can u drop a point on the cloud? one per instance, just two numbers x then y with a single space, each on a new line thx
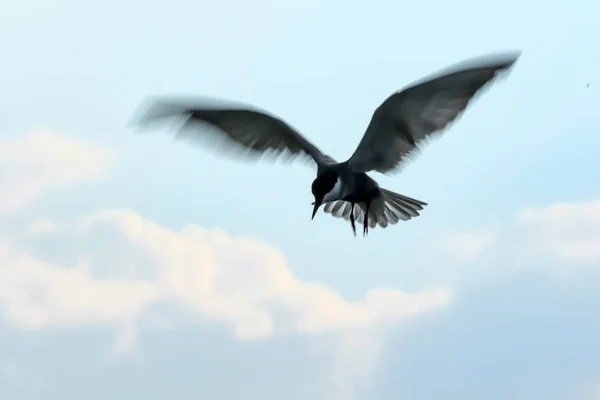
352 359
42 161
37 294
41 226
241 282
117 268
522 319
567 233
119 265
469 246
570 232
114 267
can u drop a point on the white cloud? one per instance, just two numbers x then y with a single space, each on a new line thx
352 358
41 226
38 294
568 232
242 282
469 246
44 161
110 267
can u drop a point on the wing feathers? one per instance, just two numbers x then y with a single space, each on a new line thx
235 129
407 118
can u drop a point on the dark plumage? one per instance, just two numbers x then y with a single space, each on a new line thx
398 128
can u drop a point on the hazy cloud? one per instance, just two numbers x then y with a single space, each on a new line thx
111 266
568 233
42 161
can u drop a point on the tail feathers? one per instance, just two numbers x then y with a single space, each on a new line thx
391 208
407 204
387 209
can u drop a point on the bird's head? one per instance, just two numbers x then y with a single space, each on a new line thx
323 185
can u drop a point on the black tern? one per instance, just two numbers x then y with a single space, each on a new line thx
398 128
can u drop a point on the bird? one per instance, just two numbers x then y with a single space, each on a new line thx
398 129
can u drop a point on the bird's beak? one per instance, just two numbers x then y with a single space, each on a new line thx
316 204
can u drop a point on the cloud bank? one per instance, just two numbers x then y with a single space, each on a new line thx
115 267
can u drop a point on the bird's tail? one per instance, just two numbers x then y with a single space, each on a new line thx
404 207
384 210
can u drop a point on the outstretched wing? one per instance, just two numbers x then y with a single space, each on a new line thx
239 129
387 209
405 119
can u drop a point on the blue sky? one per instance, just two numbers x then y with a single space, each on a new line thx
133 266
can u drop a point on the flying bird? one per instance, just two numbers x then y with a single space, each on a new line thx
397 130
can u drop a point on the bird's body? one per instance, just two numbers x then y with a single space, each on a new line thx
398 126
357 189
351 187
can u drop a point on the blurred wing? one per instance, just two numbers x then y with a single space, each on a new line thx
388 209
405 119
238 129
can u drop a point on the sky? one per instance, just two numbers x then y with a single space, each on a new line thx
134 266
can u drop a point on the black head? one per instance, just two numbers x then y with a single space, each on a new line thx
322 185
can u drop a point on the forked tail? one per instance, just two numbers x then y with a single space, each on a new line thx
400 206
387 209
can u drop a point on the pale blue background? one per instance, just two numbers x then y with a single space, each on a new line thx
82 70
